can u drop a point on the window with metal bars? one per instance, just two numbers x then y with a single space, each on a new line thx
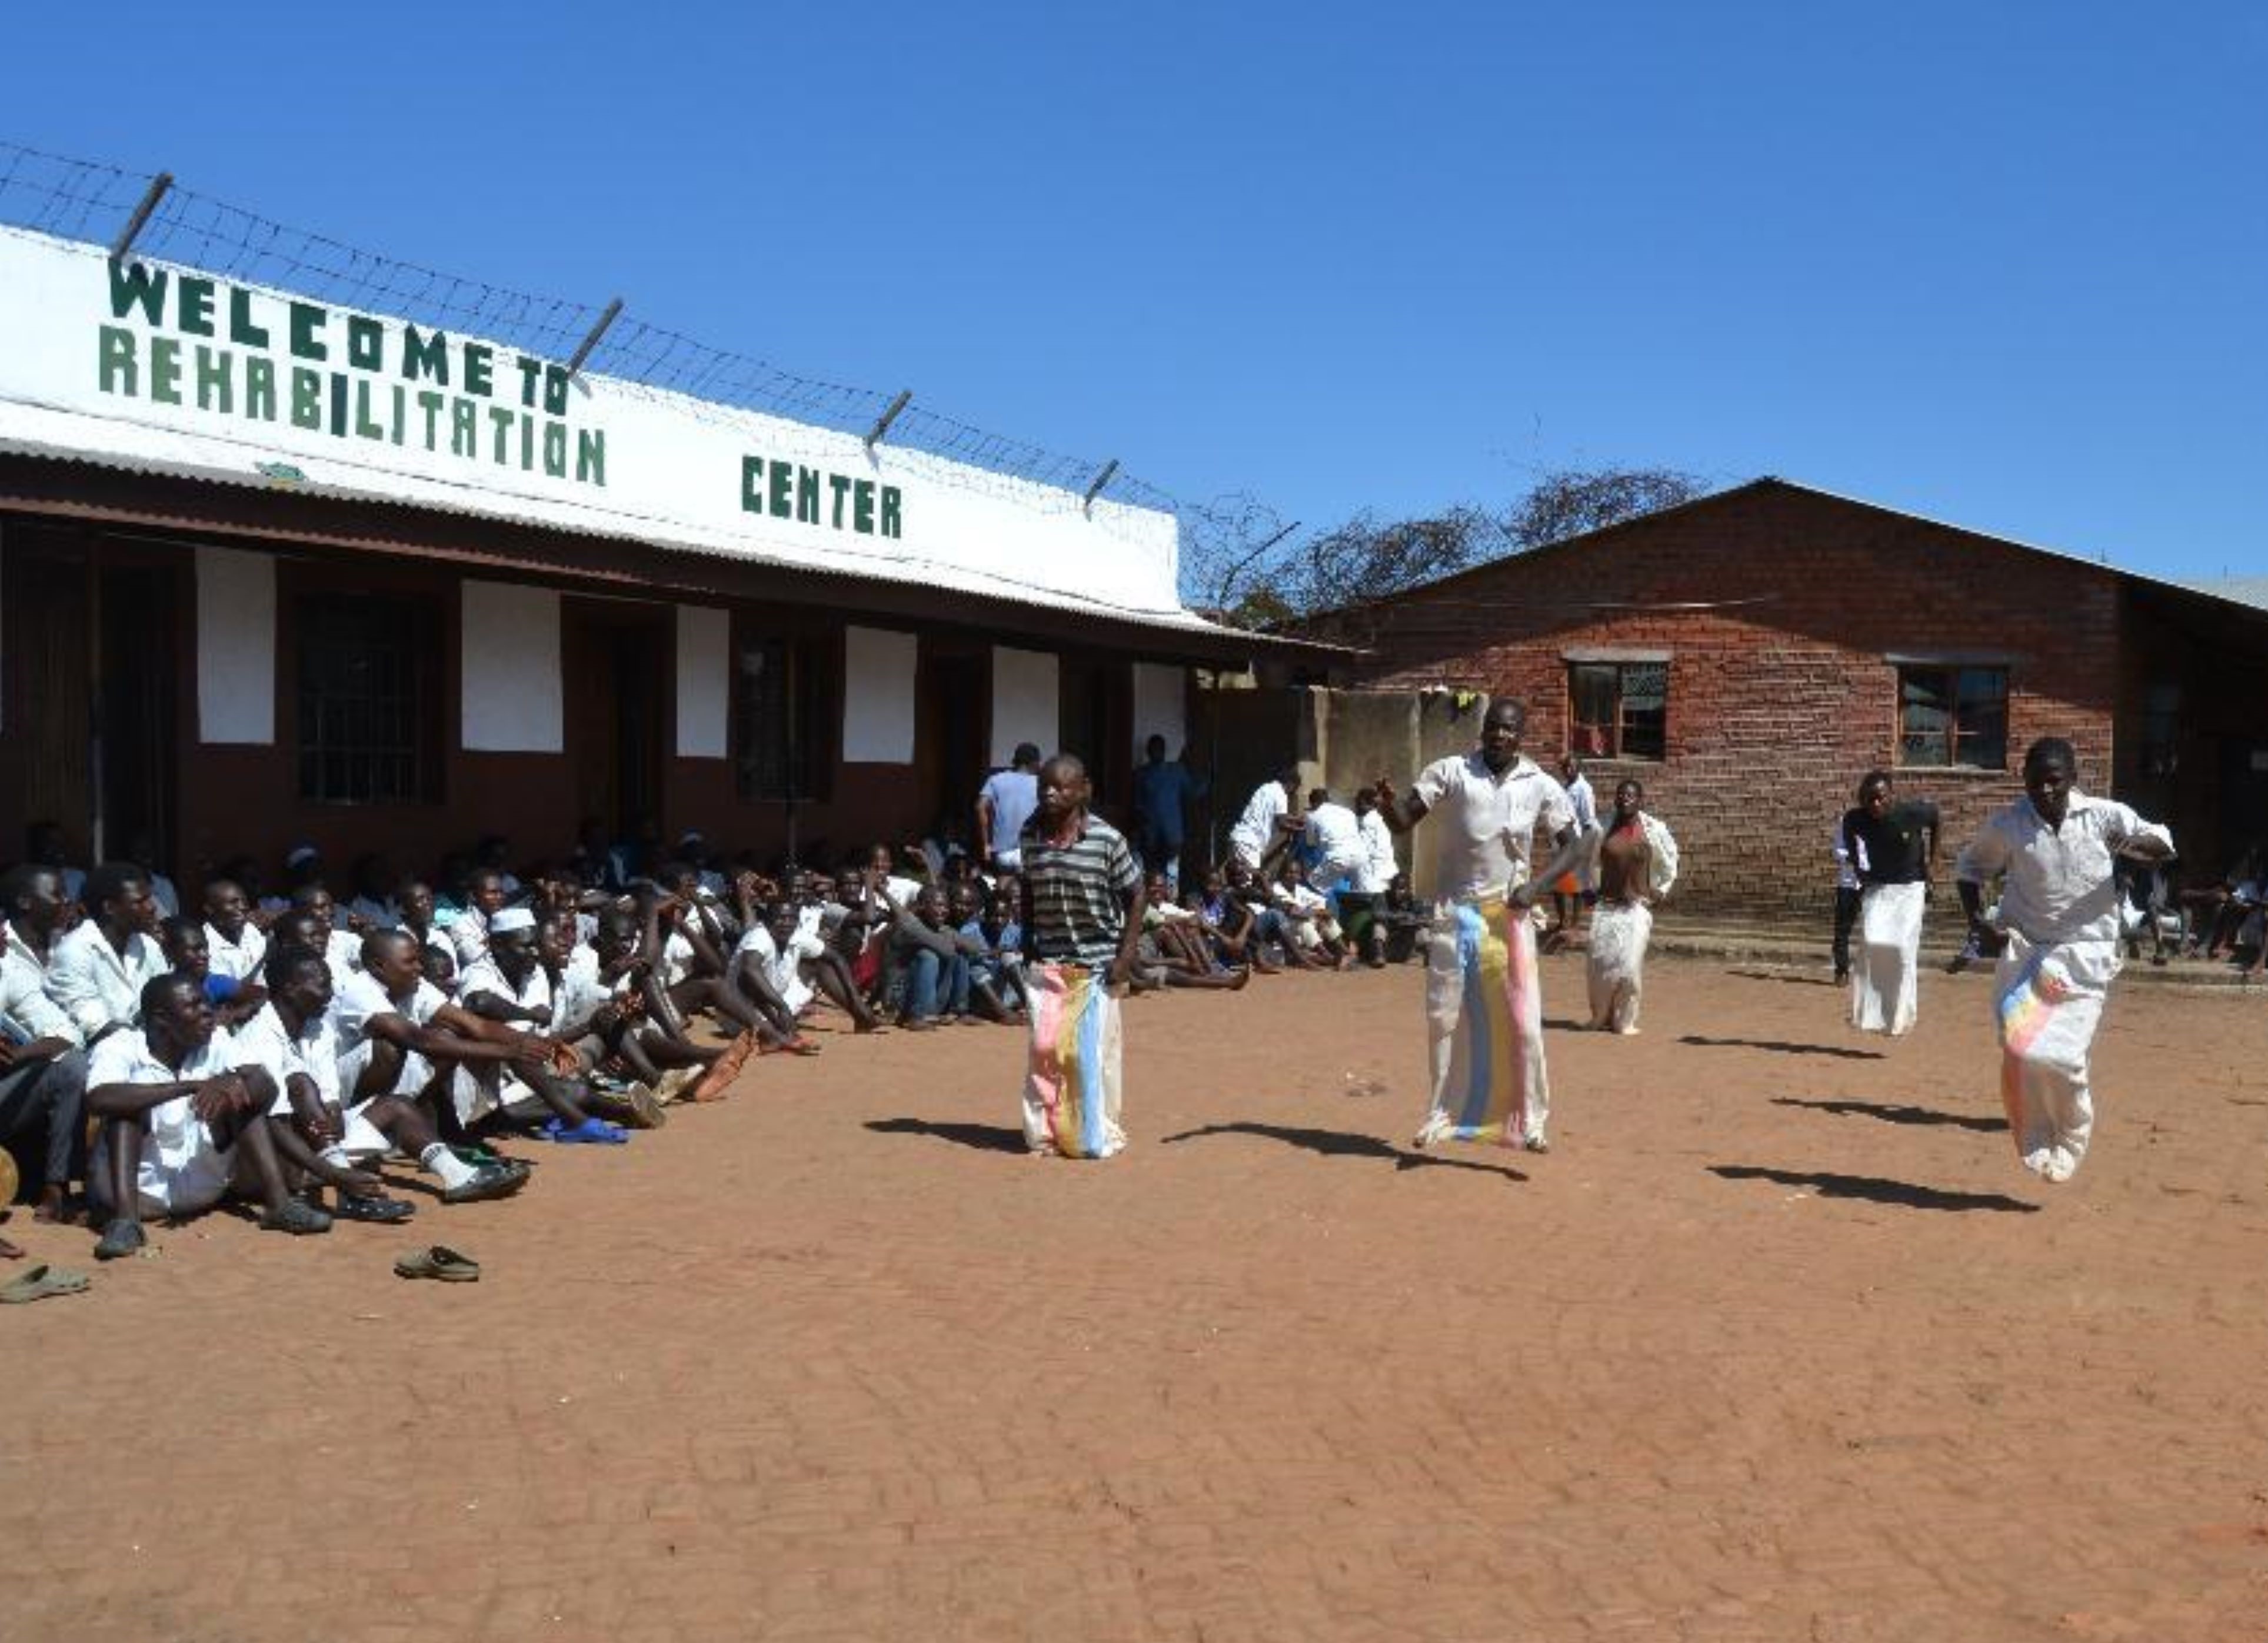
368 679
1954 717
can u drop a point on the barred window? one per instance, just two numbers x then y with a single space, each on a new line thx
1954 717
780 698
1618 710
368 724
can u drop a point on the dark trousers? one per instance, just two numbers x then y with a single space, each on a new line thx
1846 917
40 1121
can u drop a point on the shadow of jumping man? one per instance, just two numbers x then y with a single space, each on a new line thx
1876 1189
1782 1047
1344 1144
1893 1112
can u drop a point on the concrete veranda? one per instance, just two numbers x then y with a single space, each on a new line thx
1779 1342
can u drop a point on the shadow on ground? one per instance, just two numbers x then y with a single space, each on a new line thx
1891 1112
1344 1144
985 1138
1786 978
1783 1047
1875 1190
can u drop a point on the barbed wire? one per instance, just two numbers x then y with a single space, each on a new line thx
91 202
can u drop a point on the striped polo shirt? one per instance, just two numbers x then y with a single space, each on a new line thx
1074 895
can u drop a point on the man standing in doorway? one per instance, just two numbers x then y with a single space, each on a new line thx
1162 789
1006 805
1483 999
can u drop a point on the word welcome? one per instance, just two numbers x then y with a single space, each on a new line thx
403 388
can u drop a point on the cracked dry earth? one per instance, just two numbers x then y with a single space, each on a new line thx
1778 1343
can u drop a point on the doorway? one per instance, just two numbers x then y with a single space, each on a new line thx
618 658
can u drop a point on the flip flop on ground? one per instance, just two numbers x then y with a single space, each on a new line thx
42 1282
444 1265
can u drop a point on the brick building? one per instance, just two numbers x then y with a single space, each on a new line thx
1747 656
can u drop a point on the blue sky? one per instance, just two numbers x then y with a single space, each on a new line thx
2001 264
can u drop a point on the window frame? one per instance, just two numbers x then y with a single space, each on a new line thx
1952 674
1617 747
321 620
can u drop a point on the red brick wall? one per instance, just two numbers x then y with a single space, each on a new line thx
1779 694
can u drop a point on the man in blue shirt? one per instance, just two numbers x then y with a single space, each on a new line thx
1005 804
1162 788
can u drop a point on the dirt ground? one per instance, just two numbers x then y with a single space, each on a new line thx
1779 1342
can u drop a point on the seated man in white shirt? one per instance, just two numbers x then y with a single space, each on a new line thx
484 898
508 989
183 1125
642 1029
42 1068
1307 915
342 946
235 946
99 970
316 1132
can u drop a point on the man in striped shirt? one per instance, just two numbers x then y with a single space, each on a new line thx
1083 898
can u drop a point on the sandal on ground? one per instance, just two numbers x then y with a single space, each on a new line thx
645 1109
490 1181
120 1238
42 1282
382 1211
590 1132
442 1265
301 1219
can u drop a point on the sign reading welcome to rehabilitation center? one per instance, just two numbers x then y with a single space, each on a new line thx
152 364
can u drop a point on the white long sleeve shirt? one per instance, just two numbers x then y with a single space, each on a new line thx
97 986
2058 885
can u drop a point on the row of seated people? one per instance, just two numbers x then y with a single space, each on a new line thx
153 1065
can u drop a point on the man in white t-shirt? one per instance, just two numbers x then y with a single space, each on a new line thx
1490 1080
1268 821
235 946
183 1123
42 1065
1334 838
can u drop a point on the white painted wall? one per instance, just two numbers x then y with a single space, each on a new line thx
704 677
514 690
236 646
1025 702
1162 707
878 695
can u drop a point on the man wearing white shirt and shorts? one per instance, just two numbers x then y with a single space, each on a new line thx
1483 998
184 1126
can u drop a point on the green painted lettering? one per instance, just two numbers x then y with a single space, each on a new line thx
480 366
807 495
531 371
114 370
138 286
751 484
591 456
365 343
555 390
365 427
338 405
464 428
862 507
424 355
164 371
431 403
216 378
527 442
401 413
306 398
555 449
500 421
194 306
893 520
783 481
241 330
259 388
841 487
306 321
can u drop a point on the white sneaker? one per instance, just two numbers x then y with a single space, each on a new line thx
2061 1166
2040 1159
